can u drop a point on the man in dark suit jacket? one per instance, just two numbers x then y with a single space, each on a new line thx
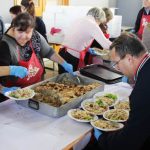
131 58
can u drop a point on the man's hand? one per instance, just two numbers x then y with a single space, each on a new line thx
97 133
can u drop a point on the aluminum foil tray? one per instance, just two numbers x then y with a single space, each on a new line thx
52 111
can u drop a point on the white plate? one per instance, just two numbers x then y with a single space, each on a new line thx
79 120
95 113
111 110
119 126
104 93
7 94
116 105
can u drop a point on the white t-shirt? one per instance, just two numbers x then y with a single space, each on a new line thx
81 33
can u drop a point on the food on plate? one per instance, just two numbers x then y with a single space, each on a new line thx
96 108
101 51
106 125
122 105
119 115
108 98
82 115
21 93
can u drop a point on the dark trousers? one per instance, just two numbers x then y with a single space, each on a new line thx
92 145
69 59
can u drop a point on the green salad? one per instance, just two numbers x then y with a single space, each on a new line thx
112 96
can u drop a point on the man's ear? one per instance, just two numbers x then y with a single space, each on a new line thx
13 28
130 58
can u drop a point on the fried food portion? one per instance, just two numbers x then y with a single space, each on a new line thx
57 94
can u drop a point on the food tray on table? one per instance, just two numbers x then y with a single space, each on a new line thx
62 96
102 73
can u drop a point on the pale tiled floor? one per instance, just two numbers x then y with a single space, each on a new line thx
50 73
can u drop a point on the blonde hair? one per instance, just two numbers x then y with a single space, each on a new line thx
108 13
98 14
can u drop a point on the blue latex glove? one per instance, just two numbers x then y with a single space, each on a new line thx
97 133
132 31
68 67
6 89
92 51
18 71
125 79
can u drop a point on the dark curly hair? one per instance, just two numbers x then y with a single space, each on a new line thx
23 21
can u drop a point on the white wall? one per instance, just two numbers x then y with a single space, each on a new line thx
128 9
99 3
4 9
112 3
63 16
51 2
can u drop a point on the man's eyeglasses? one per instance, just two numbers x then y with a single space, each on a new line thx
113 64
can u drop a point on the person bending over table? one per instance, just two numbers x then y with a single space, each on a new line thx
132 59
104 26
79 37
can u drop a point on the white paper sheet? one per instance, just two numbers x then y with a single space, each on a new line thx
122 89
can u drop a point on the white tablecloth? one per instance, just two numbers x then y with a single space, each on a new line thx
24 129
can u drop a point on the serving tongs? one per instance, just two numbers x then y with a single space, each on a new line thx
67 78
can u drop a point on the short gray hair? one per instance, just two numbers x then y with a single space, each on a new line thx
98 14
128 43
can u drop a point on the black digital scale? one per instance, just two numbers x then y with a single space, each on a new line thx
102 72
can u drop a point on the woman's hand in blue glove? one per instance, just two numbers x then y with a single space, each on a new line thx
92 51
68 67
18 71
6 89
97 133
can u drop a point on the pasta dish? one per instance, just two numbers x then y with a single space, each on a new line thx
109 98
123 105
95 108
82 115
21 93
116 115
104 124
